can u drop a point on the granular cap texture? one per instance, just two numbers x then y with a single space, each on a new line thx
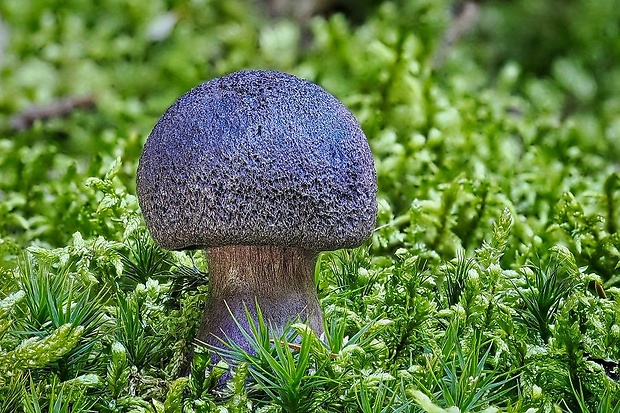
258 158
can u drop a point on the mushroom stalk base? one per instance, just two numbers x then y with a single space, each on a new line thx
279 279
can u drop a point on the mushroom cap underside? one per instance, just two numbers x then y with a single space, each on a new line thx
258 158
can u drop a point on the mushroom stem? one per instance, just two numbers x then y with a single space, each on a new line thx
279 279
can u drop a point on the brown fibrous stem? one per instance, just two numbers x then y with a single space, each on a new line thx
279 279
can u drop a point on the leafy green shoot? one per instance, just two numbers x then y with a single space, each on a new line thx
461 376
546 288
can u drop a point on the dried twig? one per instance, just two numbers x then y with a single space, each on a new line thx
58 108
465 19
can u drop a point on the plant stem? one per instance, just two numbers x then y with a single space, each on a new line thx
279 279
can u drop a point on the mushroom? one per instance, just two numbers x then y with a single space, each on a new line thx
263 170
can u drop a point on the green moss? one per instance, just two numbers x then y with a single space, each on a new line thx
497 168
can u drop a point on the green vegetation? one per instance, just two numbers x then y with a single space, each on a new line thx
492 280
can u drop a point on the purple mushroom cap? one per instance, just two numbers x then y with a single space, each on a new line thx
258 158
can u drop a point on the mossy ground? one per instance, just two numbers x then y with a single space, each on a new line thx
490 282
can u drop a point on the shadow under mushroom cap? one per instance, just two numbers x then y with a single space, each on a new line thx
258 158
